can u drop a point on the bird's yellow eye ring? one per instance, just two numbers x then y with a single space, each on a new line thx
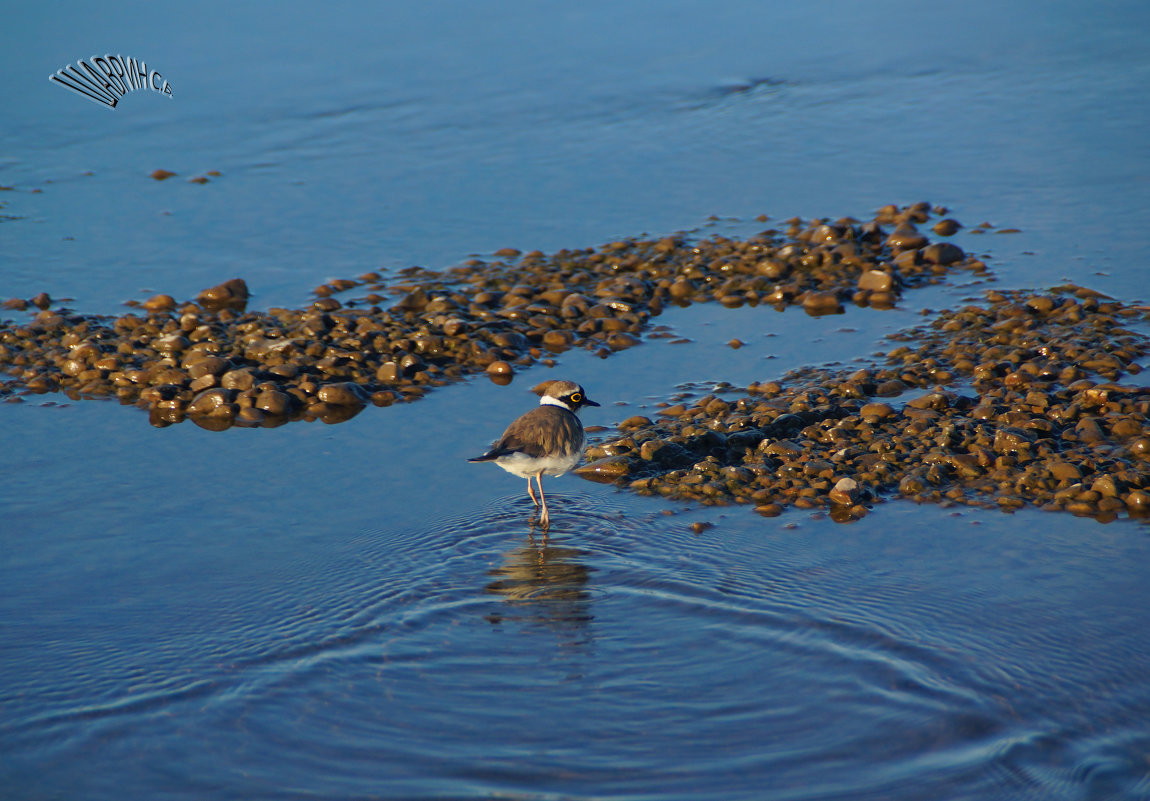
576 397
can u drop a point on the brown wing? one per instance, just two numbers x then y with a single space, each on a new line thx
543 430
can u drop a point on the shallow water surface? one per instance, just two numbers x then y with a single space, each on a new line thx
243 640
621 657
462 129
354 611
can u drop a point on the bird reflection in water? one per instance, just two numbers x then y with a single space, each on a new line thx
545 583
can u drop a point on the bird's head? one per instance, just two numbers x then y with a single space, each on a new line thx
567 394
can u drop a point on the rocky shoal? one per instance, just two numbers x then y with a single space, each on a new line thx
1010 403
1018 402
218 364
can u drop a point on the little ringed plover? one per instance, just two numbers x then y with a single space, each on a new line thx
547 441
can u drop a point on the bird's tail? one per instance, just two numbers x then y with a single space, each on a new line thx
491 455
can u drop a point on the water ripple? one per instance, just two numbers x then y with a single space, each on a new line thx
475 654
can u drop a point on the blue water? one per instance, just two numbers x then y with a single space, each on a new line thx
354 611
352 138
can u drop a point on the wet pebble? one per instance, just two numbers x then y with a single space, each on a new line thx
906 237
606 470
274 402
160 303
820 303
876 281
944 253
233 293
212 402
946 227
343 393
846 492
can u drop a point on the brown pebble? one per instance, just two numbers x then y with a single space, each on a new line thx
242 379
817 304
845 493
158 303
558 339
1138 502
273 401
682 289
343 393
212 401
876 281
876 411
1088 430
947 227
906 237
663 451
500 368
942 253
284 370
622 341
1127 428
48 320
389 372
209 365
1042 304
605 471
1141 447
1105 487
233 293
1064 471
912 485
162 175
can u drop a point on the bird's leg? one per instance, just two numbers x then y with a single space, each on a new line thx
544 519
529 492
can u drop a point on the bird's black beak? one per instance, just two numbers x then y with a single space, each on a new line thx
589 402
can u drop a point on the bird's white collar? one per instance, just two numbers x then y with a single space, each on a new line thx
547 400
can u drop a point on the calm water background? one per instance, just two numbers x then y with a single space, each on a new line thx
353 611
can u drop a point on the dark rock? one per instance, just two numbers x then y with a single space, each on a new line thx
605 471
942 253
343 393
229 294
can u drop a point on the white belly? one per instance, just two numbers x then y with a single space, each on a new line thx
524 466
